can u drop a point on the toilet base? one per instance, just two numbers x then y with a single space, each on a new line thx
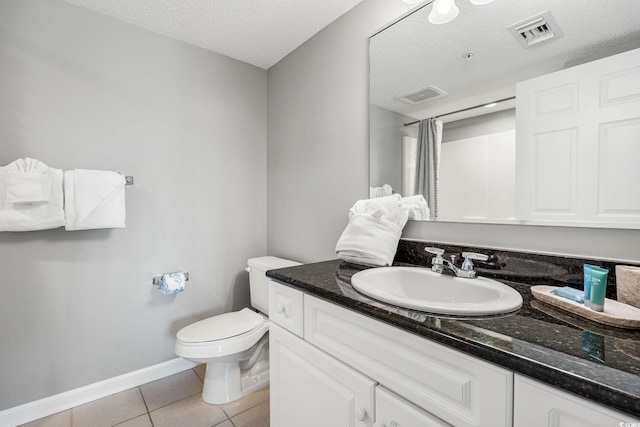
225 382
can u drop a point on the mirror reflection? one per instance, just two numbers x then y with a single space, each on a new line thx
521 112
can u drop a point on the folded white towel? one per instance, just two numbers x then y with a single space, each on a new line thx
31 217
417 207
374 229
94 199
26 181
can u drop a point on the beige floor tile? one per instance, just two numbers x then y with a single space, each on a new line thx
200 370
110 410
61 419
249 401
193 412
171 389
258 416
141 421
225 424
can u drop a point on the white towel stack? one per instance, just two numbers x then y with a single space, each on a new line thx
373 232
417 207
31 196
94 199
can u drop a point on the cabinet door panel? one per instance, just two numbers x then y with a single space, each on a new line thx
538 405
311 389
394 411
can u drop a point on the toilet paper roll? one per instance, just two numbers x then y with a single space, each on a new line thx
628 284
172 283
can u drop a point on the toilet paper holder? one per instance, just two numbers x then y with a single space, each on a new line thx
157 279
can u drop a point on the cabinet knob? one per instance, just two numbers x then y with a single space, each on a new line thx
281 309
361 414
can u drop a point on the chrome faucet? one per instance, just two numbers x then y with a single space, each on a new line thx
438 263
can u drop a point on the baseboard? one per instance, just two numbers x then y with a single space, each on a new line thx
59 402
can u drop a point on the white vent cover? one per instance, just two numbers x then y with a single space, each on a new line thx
534 30
421 95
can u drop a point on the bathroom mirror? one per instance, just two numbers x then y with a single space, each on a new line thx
454 71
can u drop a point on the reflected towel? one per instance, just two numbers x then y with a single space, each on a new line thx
94 199
32 217
417 207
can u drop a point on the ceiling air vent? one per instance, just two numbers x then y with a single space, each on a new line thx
421 95
535 30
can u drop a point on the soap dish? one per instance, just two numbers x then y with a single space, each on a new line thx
615 313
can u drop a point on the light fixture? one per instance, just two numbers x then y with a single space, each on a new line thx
443 11
480 2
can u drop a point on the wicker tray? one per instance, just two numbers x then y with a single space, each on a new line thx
615 313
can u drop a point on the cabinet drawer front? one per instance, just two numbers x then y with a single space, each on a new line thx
286 307
455 387
394 411
536 404
312 389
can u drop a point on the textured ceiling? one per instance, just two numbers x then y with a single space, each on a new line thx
414 53
258 32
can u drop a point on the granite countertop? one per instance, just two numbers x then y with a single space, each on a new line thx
539 340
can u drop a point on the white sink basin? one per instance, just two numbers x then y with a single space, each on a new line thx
422 289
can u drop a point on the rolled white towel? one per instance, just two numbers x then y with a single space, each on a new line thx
27 182
374 229
417 207
33 216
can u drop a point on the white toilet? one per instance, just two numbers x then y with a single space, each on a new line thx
235 346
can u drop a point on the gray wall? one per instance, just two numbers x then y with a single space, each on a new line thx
486 124
386 147
318 151
318 155
82 90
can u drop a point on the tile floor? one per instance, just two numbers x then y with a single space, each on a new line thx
168 402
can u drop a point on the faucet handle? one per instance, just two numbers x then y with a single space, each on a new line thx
467 265
436 251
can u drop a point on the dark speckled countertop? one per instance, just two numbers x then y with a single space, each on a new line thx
539 340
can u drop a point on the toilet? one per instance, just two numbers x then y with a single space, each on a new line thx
235 346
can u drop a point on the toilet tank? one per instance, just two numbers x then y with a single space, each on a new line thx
259 283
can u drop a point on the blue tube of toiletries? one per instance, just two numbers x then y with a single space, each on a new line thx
587 285
598 287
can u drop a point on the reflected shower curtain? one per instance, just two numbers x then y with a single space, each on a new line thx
428 162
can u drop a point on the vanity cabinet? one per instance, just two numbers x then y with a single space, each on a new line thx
539 405
345 364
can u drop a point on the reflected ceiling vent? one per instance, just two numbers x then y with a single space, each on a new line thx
422 95
537 29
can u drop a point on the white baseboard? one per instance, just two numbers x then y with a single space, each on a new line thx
59 402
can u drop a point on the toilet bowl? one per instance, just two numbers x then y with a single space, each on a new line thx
235 345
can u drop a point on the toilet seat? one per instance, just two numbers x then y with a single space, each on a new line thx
221 335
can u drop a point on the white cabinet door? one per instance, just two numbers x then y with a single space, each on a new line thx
394 411
578 141
312 389
538 405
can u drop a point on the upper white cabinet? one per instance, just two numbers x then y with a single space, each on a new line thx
578 141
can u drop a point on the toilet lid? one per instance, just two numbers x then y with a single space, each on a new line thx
220 327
